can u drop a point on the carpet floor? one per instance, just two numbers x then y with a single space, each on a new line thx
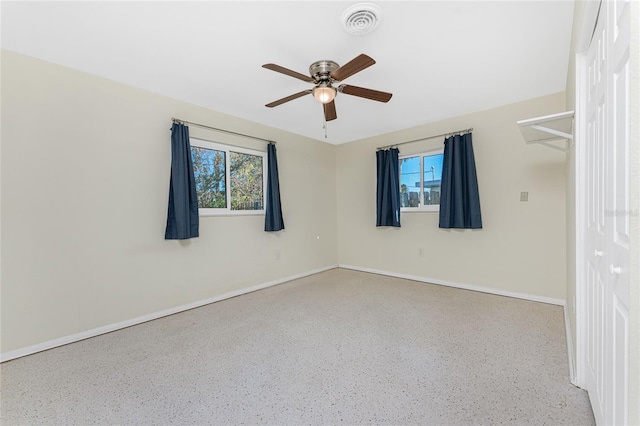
339 347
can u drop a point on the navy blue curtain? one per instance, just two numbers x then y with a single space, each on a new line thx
388 188
273 212
182 216
459 199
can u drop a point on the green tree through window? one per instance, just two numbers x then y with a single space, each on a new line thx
209 170
246 181
228 179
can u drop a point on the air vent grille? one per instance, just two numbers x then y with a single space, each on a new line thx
361 18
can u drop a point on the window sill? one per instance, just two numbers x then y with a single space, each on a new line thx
419 210
230 213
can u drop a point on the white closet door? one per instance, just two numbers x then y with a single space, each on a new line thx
607 217
595 236
618 138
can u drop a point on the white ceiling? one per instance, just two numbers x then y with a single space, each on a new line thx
440 59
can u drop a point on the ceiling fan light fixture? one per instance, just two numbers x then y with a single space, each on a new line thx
324 93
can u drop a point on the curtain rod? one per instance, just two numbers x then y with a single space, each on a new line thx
446 135
179 121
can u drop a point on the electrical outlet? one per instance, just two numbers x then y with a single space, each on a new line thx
420 252
524 196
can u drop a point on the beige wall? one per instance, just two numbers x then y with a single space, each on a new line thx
85 177
522 246
85 165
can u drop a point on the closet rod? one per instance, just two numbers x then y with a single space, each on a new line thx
179 121
446 135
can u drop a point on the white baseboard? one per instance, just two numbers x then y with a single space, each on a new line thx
532 297
571 360
7 356
18 353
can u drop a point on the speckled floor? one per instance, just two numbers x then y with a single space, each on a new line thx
340 347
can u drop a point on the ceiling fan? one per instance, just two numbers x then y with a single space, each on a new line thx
323 74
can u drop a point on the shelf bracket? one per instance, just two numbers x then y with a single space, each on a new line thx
563 135
549 128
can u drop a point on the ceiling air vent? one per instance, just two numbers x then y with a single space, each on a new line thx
361 18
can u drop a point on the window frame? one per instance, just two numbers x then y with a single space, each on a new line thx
228 149
422 207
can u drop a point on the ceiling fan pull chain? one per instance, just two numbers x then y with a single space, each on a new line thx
324 126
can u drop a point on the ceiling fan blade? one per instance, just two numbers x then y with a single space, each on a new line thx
330 111
287 71
357 64
288 98
361 92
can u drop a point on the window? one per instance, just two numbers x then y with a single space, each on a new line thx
229 180
420 177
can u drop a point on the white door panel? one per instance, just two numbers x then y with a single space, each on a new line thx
606 224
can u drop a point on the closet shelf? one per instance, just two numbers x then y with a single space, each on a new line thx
554 131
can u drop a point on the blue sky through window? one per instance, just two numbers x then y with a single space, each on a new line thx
434 173
410 170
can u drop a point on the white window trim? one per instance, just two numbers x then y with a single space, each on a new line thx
422 208
200 143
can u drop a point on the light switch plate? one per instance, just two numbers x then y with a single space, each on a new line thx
524 196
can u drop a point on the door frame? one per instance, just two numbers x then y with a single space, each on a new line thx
590 17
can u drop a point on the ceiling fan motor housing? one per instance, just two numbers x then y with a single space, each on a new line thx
321 70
